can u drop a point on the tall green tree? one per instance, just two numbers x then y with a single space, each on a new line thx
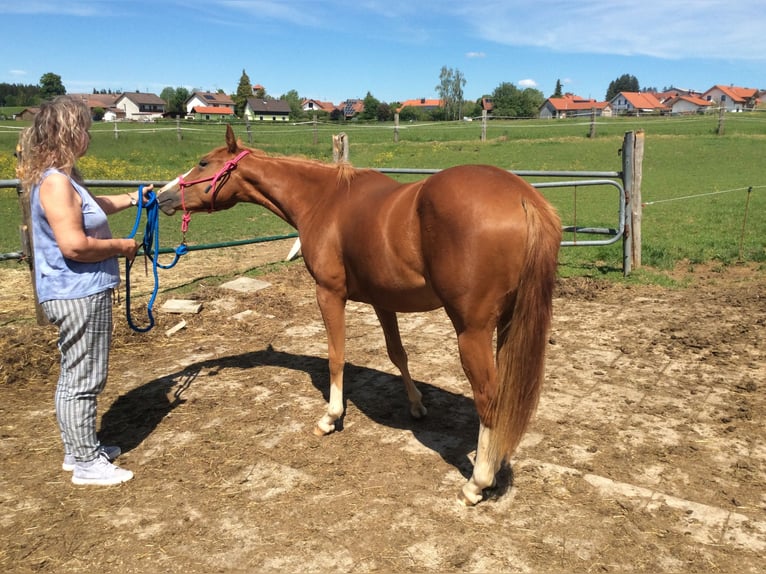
450 90
557 93
625 83
51 86
244 91
509 101
296 105
371 105
175 98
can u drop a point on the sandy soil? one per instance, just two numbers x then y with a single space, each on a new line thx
647 453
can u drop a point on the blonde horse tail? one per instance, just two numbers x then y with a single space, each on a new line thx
523 333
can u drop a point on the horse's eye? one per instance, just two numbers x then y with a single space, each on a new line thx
202 163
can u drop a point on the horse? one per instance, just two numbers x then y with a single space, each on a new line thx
476 240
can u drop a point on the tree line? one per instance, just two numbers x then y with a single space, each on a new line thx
506 99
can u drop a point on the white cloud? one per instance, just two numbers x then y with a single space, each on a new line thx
18 73
716 29
471 55
527 83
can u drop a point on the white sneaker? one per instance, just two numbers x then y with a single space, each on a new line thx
99 472
110 452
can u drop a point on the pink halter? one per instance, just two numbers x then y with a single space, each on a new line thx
224 171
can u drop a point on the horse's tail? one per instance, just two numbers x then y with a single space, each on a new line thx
523 333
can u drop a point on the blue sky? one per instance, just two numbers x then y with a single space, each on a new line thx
332 50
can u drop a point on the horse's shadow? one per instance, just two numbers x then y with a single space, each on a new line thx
450 428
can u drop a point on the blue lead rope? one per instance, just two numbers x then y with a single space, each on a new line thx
151 247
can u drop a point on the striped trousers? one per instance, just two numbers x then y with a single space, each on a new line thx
85 337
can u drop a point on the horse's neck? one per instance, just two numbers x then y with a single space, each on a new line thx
294 189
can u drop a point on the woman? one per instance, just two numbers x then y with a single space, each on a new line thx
76 271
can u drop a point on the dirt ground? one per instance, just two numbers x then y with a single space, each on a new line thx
647 453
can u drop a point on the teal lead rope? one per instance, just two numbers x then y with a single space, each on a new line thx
151 247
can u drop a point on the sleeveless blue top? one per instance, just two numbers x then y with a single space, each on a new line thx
57 277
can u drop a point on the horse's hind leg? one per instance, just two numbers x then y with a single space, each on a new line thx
484 471
398 357
479 365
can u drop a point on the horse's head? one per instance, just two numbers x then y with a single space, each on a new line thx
207 186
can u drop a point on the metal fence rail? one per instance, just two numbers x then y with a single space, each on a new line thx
599 178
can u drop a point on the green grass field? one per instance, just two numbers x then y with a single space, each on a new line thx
695 183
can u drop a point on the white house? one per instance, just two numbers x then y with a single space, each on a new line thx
732 98
140 107
267 110
636 103
310 105
684 105
208 100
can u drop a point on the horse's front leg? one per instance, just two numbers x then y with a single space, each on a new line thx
333 310
398 357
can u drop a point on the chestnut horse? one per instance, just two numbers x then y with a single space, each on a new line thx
474 239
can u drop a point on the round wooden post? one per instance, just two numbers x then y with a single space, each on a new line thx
632 170
396 127
636 205
27 249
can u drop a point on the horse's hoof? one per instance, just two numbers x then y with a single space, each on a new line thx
463 499
418 411
468 496
323 429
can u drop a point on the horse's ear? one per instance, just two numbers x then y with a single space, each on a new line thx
231 139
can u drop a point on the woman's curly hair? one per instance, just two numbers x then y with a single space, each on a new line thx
56 139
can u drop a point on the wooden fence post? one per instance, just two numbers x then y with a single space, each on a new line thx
27 249
592 132
340 148
483 125
632 172
396 127
721 116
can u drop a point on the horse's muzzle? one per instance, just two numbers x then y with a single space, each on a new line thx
169 201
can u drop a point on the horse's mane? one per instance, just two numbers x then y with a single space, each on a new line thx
345 170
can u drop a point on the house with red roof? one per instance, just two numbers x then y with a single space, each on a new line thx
637 103
351 108
733 98
310 105
685 105
211 113
208 100
570 105
421 104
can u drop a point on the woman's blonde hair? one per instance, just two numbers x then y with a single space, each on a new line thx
55 139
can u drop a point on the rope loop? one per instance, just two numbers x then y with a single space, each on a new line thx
151 247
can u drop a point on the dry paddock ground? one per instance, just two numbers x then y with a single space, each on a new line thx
647 453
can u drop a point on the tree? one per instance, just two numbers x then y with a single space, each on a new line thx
244 91
509 101
296 105
385 112
625 83
450 90
371 105
51 86
558 91
175 98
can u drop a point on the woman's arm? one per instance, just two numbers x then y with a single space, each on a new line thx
63 209
114 203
